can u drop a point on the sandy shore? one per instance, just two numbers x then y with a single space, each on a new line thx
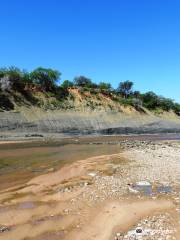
98 198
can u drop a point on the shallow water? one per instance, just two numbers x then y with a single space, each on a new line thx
146 190
149 190
26 205
21 163
164 189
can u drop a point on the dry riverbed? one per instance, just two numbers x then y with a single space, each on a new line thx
131 194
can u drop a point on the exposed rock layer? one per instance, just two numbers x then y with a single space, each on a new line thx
35 121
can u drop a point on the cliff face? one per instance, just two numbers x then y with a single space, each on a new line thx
82 114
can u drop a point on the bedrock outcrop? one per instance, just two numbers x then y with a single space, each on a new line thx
37 122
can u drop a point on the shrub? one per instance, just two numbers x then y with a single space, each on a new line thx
66 84
166 104
82 81
150 100
105 86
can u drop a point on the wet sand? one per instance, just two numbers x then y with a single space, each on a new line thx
22 161
89 196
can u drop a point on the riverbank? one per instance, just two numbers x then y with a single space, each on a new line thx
37 123
133 191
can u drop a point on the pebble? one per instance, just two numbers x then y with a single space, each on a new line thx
4 229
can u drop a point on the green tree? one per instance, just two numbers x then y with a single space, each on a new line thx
66 84
137 94
125 88
150 100
46 77
105 86
166 103
82 81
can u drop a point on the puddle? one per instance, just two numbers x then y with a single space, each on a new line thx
148 190
142 187
23 205
26 205
164 189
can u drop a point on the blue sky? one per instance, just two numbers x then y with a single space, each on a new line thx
106 40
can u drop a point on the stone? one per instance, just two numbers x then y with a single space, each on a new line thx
92 174
139 230
143 183
4 229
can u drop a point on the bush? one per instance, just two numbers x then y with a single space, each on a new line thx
153 101
105 86
150 100
126 101
82 81
166 104
66 84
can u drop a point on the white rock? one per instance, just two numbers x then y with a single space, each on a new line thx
132 190
143 183
92 174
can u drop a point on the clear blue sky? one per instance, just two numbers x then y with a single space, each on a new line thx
106 40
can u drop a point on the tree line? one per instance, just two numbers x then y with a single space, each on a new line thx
48 80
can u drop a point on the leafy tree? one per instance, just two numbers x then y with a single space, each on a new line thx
46 77
166 103
105 86
66 84
125 88
82 81
137 94
93 85
153 101
150 100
